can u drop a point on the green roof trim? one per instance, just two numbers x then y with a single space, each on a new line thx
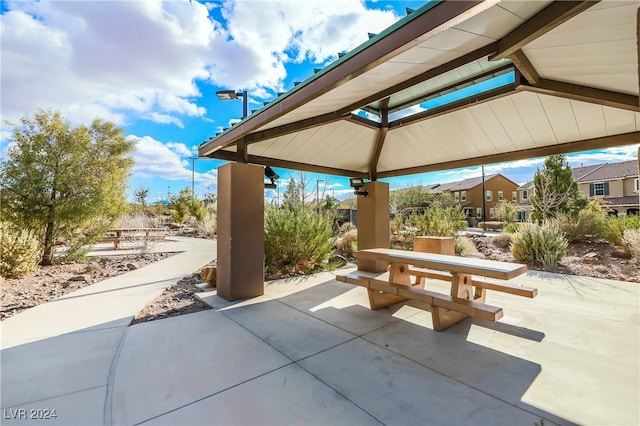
399 24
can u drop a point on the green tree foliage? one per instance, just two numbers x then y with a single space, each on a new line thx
555 190
185 204
293 198
400 200
506 211
65 183
141 194
443 217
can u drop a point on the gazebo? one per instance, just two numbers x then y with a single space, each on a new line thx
453 84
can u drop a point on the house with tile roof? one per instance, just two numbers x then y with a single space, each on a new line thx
468 192
615 183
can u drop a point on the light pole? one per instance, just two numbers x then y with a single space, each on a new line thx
227 95
318 191
193 172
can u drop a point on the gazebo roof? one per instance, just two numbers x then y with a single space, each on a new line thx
491 80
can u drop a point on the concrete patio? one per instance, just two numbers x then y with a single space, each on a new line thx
310 351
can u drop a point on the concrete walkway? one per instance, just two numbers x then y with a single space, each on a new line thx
60 355
310 351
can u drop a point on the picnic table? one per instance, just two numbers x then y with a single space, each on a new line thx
470 278
120 235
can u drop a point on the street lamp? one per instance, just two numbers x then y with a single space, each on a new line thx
228 95
318 191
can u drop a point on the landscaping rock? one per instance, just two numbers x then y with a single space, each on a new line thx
209 275
621 254
132 266
79 278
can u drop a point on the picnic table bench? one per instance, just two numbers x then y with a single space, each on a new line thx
120 235
470 278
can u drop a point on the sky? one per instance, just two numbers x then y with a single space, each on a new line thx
153 67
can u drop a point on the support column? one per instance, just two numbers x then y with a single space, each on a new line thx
373 223
240 266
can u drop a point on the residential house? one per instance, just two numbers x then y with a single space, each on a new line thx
468 193
615 183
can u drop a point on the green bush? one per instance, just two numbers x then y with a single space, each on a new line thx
347 227
184 205
539 245
440 219
208 226
503 240
19 252
297 242
615 227
631 241
461 246
587 225
512 227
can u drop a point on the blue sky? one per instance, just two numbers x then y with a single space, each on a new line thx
153 68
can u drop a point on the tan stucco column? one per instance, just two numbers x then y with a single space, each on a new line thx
240 231
373 223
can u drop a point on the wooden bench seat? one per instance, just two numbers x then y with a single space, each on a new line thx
119 236
444 308
481 282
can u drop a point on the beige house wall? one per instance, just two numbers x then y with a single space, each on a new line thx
629 188
495 184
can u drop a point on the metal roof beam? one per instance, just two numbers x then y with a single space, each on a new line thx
547 19
583 93
382 134
580 145
455 106
387 45
426 96
526 68
286 164
433 72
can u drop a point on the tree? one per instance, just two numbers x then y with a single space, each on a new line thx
65 183
555 190
185 204
506 211
141 195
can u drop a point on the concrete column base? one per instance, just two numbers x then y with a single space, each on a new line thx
240 272
373 223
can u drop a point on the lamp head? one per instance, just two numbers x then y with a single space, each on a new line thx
356 183
268 172
226 95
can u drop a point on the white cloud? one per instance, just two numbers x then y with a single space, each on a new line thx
170 161
132 59
105 58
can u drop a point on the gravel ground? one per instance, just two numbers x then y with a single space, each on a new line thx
593 260
54 281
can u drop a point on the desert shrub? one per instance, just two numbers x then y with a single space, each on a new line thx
614 227
19 251
348 243
539 245
461 246
397 225
347 227
208 226
185 204
502 240
439 219
585 226
512 227
631 240
296 241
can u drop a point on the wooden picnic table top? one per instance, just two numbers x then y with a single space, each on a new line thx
443 262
